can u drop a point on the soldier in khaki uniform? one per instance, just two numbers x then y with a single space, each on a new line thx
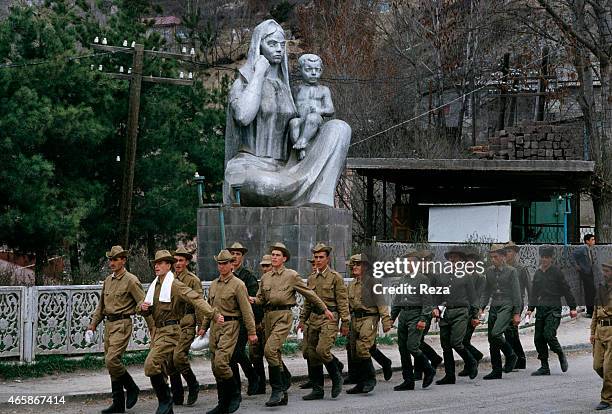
121 293
229 296
364 327
240 356
512 333
601 336
165 301
188 331
329 286
276 294
256 350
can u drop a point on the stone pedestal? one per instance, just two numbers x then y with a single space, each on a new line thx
300 228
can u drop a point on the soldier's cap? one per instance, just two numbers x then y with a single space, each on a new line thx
117 251
321 247
410 253
607 264
181 251
238 247
281 246
224 256
497 248
266 260
512 246
546 251
455 250
163 256
425 254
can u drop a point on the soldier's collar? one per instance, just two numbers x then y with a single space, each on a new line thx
231 275
279 270
323 272
119 275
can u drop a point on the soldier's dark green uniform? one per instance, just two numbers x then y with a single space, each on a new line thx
512 333
549 285
412 309
460 309
502 289
240 356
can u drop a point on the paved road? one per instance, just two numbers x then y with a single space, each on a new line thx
576 391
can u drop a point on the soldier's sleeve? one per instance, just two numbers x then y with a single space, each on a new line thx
486 293
472 297
306 311
259 298
196 285
567 292
342 299
202 308
385 318
205 323
525 285
515 291
594 321
98 314
308 293
535 293
135 289
427 306
242 296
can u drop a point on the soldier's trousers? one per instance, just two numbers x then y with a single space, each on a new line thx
256 353
467 342
547 322
500 317
320 338
362 336
240 355
513 338
429 352
180 357
277 325
223 340
117 336
452 331
409 338
160 358
602 360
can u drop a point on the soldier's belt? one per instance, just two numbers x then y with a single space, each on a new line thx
169 322
329 308
231 318
363 314
116 317
277 307
604 322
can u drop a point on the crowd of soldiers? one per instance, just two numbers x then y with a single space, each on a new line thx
239 309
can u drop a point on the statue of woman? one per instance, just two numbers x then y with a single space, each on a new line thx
258 154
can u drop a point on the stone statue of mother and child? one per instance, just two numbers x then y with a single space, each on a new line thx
279 150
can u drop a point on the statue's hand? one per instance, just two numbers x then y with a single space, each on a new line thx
300 144
261 65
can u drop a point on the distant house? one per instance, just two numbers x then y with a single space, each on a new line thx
169 27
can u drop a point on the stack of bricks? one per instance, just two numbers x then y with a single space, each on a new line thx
538 141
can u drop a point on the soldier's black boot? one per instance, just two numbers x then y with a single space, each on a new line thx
232 387
470 364
543 370
307 384
176 386
351 378
496 364
118 405
316 378
369 376
276 383
286 378
407 374
193 386
333 369
162 391
221 400
261 374
359 369
131 390
339 363
511 358
449 368
428 371
383 361
563 362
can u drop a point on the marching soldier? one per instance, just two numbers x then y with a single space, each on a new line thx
329 286
601 336
549 285
188 331
165 302
512 333
276 294
502 288
256 350
121 293
414 311
460 310
479 281
240 356
230 297
364 327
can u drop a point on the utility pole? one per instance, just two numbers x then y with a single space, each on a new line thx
135 77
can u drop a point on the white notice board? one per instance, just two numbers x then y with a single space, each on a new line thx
460 223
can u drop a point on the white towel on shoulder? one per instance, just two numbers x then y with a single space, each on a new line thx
165 293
